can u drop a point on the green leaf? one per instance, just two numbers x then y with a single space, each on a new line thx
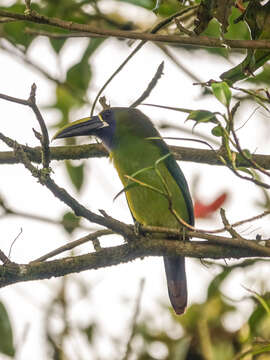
70 222
217 131
214 286
57 44
222 12
90 332
164 8
262 77
245 170
258 315
238 30
204 15
76 174
213 30
202 116
147 4
222 92
6 335
79 75
14 31
65 101
247 153
264 303
189 320
256 351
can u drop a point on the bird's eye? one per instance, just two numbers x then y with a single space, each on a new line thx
106 114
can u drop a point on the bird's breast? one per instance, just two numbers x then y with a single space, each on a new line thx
155 191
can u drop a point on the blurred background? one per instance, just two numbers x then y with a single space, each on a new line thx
123 312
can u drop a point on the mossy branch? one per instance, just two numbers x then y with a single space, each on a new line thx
13 273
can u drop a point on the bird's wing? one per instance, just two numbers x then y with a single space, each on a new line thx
179 177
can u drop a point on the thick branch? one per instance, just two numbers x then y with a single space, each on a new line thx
12 273
91 31
77 152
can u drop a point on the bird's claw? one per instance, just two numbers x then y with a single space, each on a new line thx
138 228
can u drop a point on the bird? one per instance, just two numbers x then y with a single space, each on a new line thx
154 184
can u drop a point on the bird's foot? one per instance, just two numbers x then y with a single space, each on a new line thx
185 235
138 229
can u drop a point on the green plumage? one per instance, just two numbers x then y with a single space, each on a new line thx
134 151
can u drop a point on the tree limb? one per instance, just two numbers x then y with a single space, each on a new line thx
91 31
13 273
77 152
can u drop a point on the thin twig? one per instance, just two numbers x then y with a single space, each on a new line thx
73 244
57 35
247 158
31 102
155 29
166 50
11 212
171 231
251 179
19 54
45 136
228 227
28 6
13 99
181 28
13 242
114 74
184 129
150 86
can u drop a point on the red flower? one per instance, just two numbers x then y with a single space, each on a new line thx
204 211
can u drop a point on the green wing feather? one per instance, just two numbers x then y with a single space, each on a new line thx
178 176
150 131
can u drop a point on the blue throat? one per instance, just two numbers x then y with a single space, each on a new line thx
106 135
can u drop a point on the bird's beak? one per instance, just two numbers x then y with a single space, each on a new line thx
85 126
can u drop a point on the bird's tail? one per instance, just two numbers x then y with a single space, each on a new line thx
176 281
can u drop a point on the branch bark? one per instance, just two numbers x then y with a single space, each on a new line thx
91 31
12 273
78 152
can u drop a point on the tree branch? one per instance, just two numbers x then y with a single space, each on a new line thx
78 152
201 41
13 273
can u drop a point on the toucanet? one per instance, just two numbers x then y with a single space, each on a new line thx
157 192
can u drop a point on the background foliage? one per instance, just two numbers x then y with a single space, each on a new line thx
203 332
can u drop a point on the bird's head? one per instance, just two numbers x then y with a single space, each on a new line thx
110 126
101 125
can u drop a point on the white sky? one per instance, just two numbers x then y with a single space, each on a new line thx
25 301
